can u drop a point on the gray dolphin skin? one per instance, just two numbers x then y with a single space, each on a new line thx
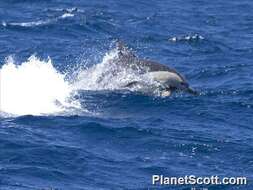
169 79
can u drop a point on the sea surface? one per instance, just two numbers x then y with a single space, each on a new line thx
66 123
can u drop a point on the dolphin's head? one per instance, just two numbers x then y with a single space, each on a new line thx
172 81
184 86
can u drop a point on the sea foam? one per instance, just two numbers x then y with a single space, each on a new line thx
34 87
109 75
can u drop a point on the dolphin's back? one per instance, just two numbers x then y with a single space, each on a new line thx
128 59
154 66
144 66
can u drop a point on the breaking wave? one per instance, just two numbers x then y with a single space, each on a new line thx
34 87
110 75
38 22
187 38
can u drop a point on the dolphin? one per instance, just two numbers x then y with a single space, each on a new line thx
169 79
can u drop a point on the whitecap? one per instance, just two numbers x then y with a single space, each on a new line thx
66 15
109 75
189 38
4 24
30 24
39 22
35 87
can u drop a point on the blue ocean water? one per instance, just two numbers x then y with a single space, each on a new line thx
106 138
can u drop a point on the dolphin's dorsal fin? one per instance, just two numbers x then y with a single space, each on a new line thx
120 46
123 49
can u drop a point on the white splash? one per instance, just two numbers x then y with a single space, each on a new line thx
194 37
30 24
65 15
4 24
38 22
34 87
108 75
